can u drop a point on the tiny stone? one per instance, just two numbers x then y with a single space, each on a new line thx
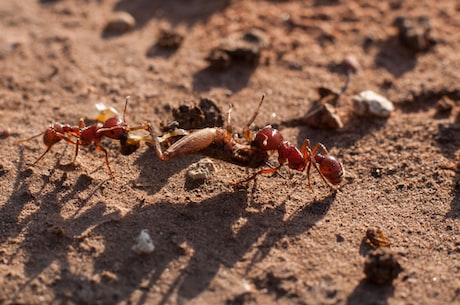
144 244
170 39
324 117
120 22
414 33
368 103
445 104
200 170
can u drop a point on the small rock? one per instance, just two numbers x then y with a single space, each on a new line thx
200 170
381 266
120 22
414 33
219 59
144 244
369 103
170 39
445 104
192 116
324 117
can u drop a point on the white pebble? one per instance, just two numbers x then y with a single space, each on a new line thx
201 170
369 103
144 243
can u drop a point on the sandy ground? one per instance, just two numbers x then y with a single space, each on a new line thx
66 231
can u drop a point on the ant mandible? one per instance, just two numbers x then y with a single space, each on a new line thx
252 151
113 128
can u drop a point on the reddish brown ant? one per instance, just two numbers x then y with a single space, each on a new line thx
330 170
113 128
251 151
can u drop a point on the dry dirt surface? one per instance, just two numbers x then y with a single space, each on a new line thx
67 230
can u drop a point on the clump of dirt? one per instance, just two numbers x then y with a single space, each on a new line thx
382 266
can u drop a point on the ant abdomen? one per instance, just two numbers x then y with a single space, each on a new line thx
330 168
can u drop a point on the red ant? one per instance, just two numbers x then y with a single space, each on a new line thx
330 170
113 128
252 151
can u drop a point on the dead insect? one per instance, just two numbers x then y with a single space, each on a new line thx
252 151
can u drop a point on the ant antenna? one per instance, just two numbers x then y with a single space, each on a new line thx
246 130
126 106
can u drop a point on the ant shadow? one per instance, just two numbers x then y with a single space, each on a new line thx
45 230
366 293
449 141
201 236
394 57
154 173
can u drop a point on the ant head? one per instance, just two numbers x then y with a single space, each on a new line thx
330 168
114 128
268 138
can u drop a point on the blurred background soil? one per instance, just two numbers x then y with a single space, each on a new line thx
67 231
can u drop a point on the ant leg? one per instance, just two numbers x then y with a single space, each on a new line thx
246 131
59 136
305 150
318 147
31 138
100 148
314 151
77 145
308 177
260 172
308 155
156 143
43 154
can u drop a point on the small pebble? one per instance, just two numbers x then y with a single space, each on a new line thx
370 104
170 39
414 33
201 170
120 22
445 104
144 244
324 117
